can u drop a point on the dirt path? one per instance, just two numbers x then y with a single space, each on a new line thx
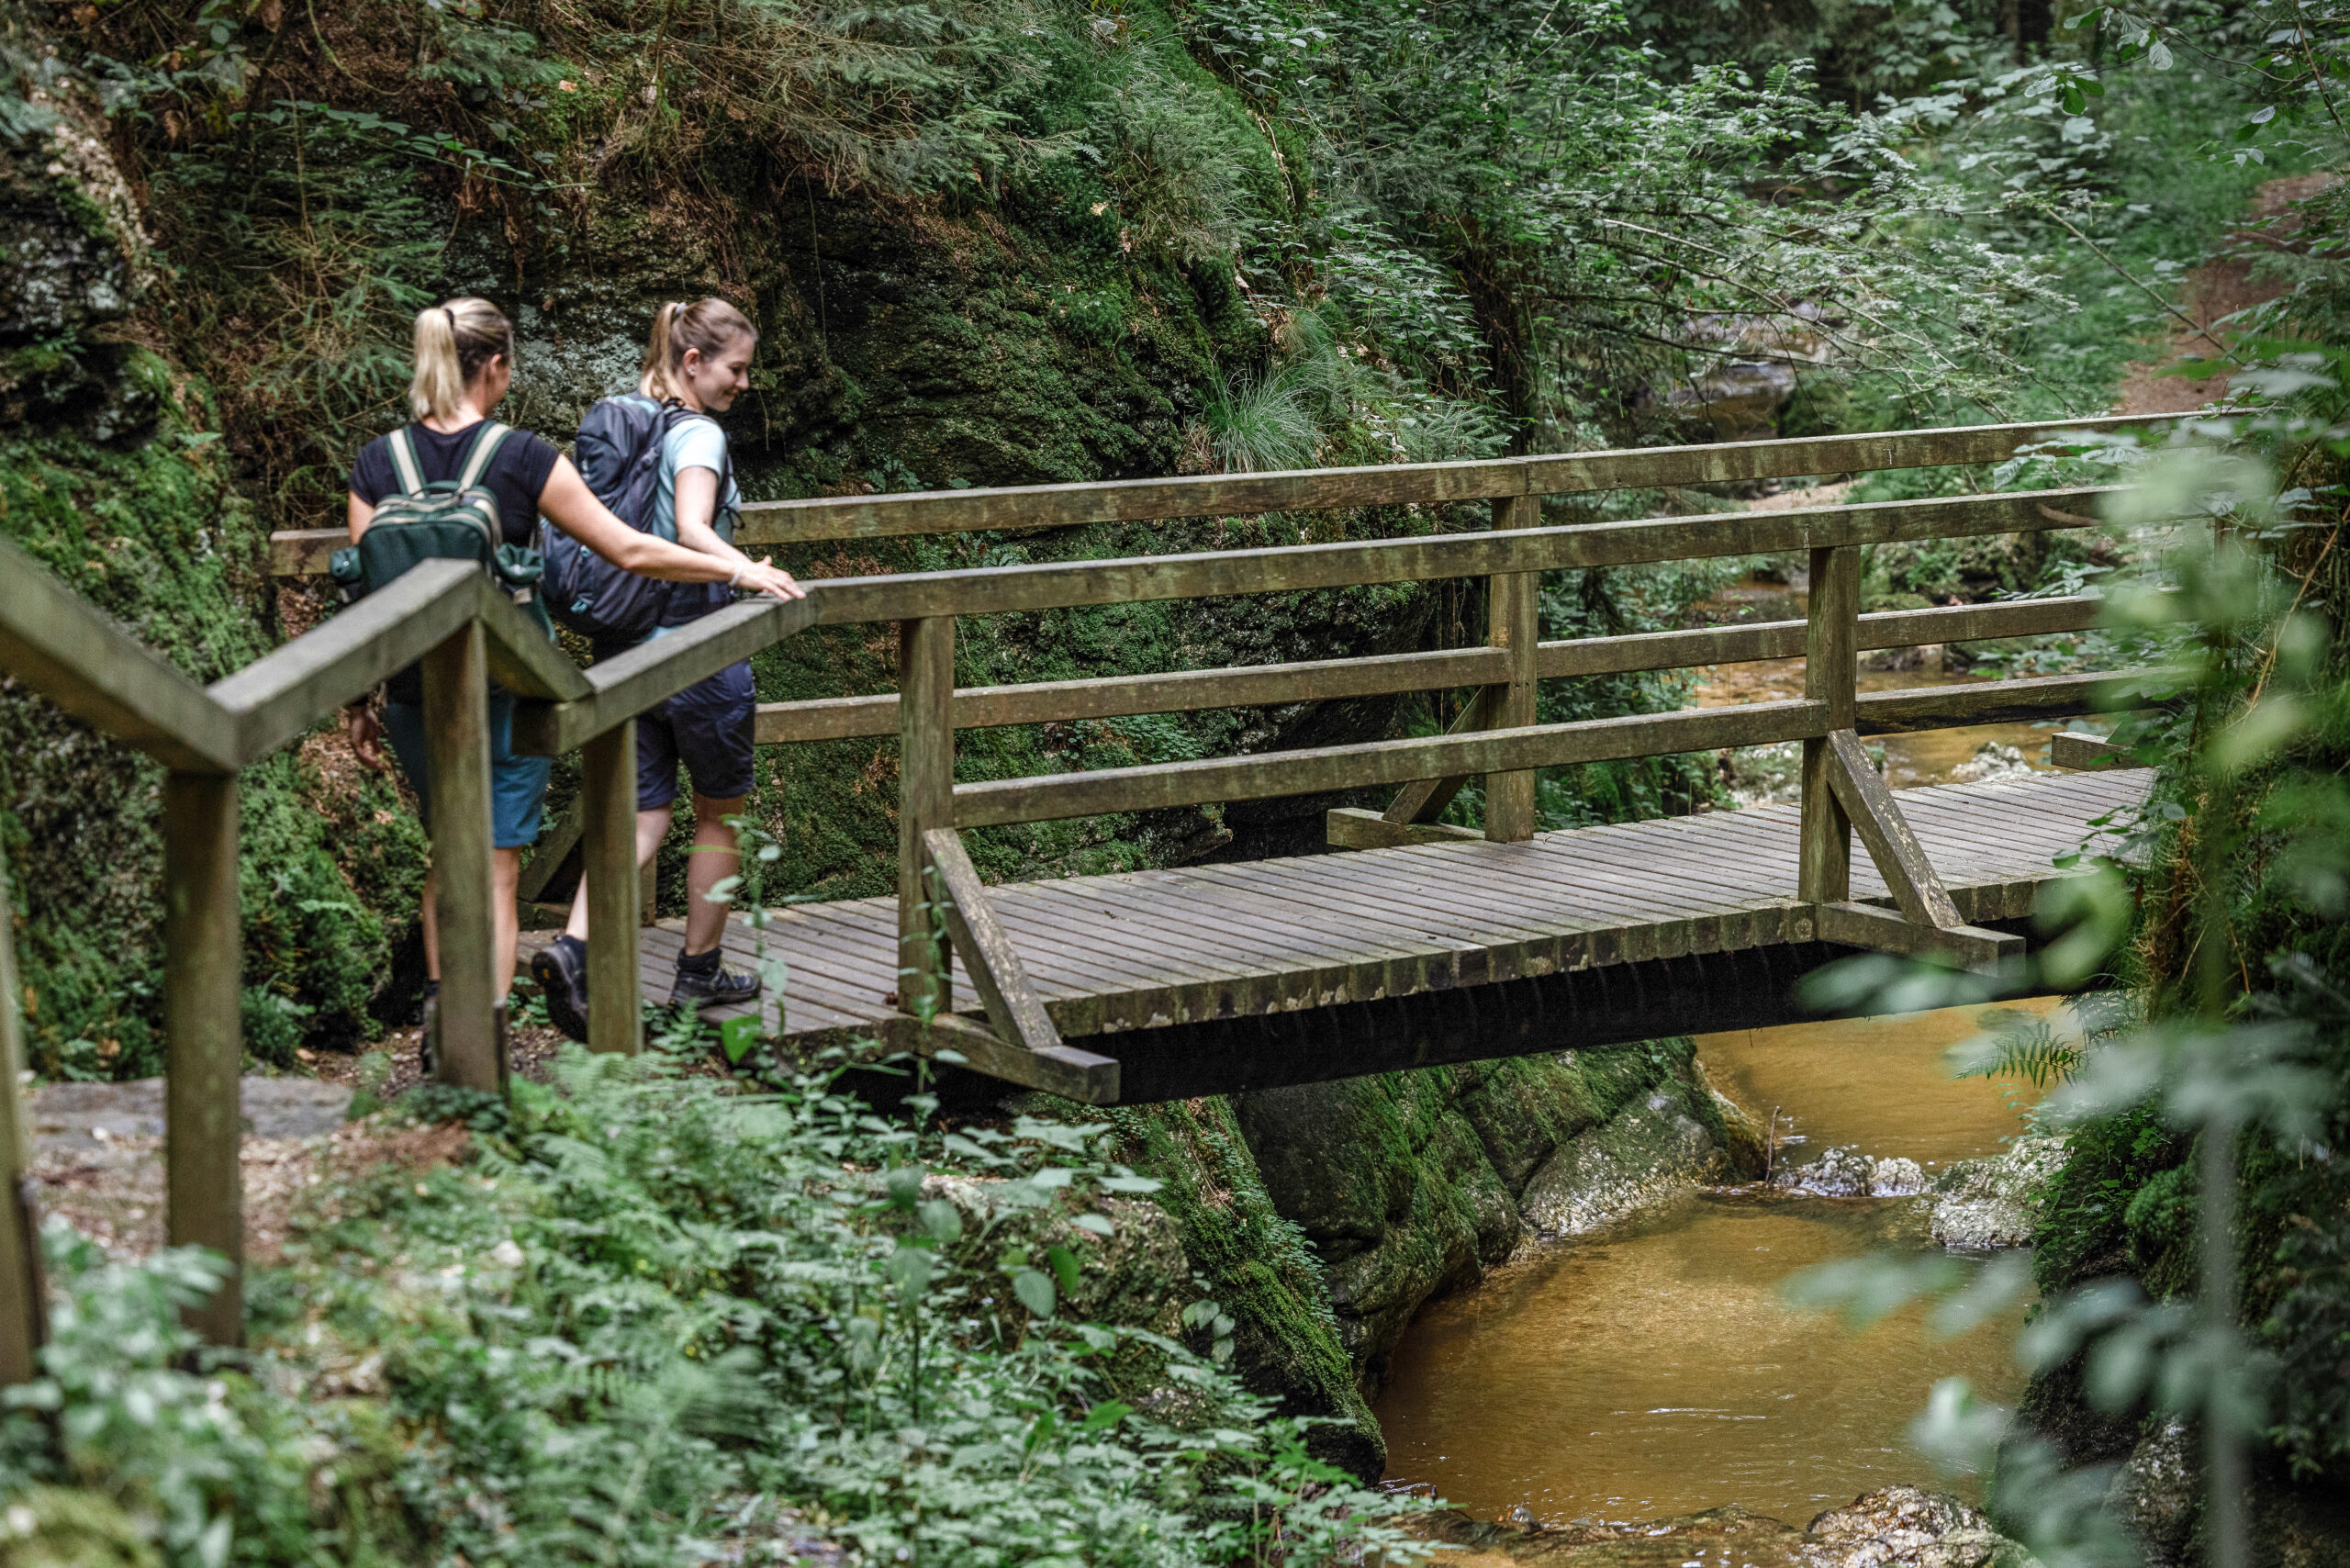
2214 291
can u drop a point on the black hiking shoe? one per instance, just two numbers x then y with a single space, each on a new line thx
703 981
560 969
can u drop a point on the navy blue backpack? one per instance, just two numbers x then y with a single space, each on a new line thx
619 453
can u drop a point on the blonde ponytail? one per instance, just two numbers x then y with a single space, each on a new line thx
454 339
706 325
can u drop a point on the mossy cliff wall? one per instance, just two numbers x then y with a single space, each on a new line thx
1323 1216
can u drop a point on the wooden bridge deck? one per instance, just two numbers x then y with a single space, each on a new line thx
1145 948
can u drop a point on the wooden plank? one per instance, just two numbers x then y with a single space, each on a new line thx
1785 639
1062 701
553 849
1828 678
926 801
456 739
1404 955
628 683
2072 749
204 1035
1901 859
607 862
1229 495
1865 925
1357 827
1513 625
990 590
65 649
1916 708
1177 965
1312 771
1284 964
1064 1069
24 1288
985 948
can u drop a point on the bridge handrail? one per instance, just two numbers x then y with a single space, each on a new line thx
298 551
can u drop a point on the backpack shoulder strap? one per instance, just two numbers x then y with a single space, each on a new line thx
491 437
404 462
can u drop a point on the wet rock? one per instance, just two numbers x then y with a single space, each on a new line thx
1907 1527
1898 1527
1982 1205
1992 760
1837 1173
1646 1157
1895 1178
2157 1493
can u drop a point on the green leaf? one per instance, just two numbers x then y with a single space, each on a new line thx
943 1220
1065 1266
904 1185
1098 1224
1035 1292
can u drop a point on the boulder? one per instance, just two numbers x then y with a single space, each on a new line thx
1984 1205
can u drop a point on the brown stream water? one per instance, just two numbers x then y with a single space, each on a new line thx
1655 1370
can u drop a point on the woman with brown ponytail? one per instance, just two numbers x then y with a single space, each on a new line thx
465 363
697 363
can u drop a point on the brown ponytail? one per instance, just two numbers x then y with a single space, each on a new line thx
707 325
454 341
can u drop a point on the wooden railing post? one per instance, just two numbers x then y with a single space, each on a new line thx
1514 624
1830 674
607 859
203 989
456 731
23 1309
926 801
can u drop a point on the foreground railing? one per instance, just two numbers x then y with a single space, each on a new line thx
447 616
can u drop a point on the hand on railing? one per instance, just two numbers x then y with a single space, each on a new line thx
364 728
758 577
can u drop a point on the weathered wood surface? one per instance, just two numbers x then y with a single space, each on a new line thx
1888 931
1316 770
994 590
2011 701
204 1036
925 801
1868 804
1111 954
1513 625
300 551
23 1291
607 862
69 651
456 749
618 688
2074 750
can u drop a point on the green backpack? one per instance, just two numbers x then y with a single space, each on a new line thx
442 519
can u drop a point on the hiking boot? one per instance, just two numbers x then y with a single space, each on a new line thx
703 981
560 969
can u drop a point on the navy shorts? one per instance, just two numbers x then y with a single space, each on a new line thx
707 727
518 785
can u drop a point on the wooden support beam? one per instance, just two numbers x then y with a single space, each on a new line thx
608 820
983 945
1830 677
456 740
925 801
1371 763
1111 697
1785 639
64 648
627 684
555 847
995 590
1918 708
1424 799
1065 1069
1901 859
1887 931
2086 753
1352 827
1513 625
204 964
24 1290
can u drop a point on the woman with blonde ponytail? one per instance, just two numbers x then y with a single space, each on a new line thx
696 362
464 364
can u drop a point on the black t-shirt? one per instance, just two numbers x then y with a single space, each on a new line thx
516 476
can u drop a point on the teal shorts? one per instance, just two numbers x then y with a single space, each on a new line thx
518 785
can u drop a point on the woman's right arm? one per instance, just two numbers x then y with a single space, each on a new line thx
571 505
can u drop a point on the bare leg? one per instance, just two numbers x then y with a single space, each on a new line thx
717 855
652 827
506 916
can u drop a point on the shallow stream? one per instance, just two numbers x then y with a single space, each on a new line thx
1656 1371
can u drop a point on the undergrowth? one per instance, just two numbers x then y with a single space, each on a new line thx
651 1319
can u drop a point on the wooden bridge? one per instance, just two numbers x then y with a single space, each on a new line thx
1134 966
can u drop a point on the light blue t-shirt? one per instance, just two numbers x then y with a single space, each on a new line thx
695 443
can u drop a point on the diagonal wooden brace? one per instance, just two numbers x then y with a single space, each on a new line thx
1026 1046
1424 799
1929 924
